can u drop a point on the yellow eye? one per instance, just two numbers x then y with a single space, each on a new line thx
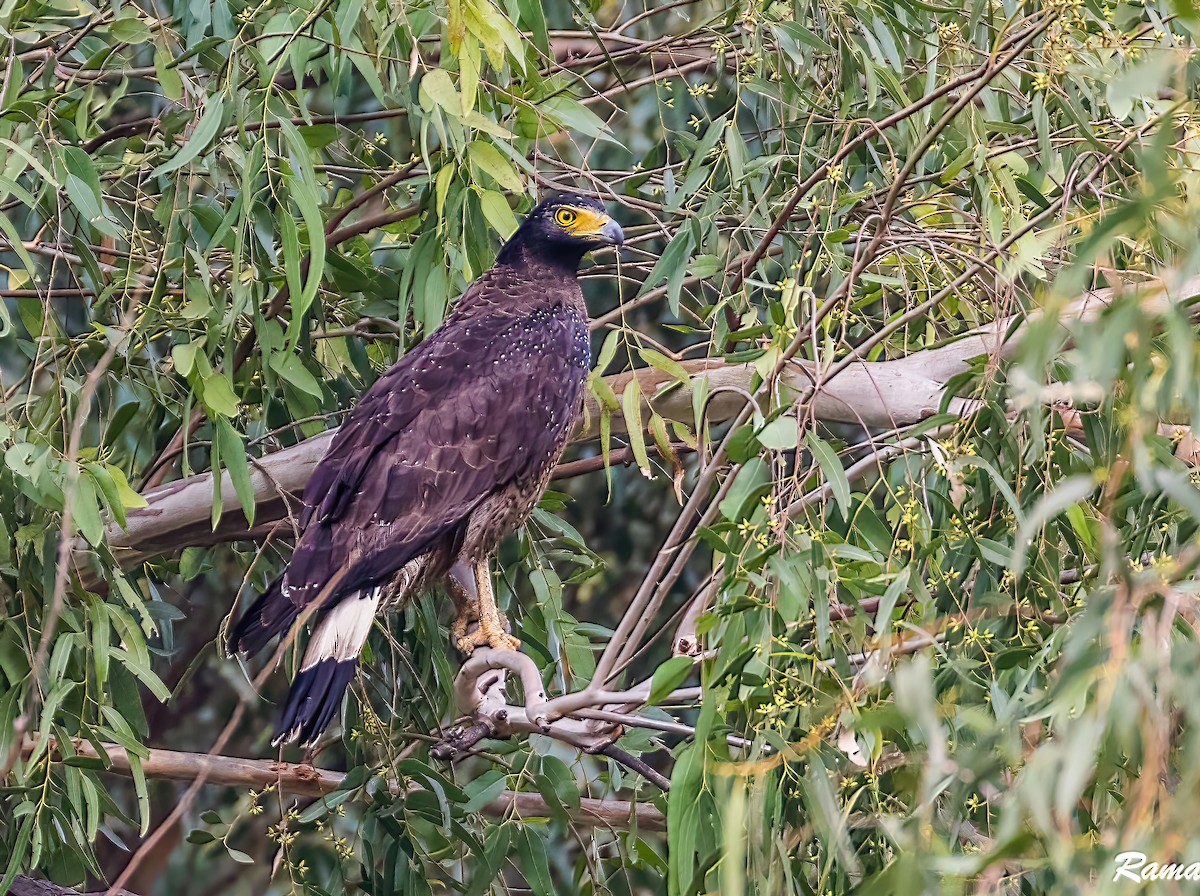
565 217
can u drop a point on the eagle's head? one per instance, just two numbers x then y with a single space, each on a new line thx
562 229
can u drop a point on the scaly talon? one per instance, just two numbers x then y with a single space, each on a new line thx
458 625
492 623
464 645
500 640
461 585
474 601
504 641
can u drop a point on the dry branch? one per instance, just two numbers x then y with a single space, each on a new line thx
28 886
304 780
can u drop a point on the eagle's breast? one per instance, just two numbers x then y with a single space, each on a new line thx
546 357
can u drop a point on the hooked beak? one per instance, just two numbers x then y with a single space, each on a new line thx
611 234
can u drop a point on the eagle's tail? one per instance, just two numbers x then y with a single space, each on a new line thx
271 615
328 667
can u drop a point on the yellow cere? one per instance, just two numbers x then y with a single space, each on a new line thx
580 221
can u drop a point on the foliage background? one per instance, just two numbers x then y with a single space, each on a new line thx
963 648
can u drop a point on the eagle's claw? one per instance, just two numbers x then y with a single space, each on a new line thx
487 635
504 641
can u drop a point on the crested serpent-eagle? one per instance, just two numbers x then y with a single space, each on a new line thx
446 454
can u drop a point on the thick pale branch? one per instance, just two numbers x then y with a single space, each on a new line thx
875 394
304 780
883 394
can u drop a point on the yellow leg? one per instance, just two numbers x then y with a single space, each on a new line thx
467 613
461 585
491 623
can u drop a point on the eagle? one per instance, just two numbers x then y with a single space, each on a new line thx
444 456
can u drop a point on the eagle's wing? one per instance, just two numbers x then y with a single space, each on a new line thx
459 417
385 410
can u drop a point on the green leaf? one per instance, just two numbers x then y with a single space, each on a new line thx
100 643
670 266
437 91
486 158
706 266
669 366
302 187
85 201
495 854
233 456
168 76
85 510
832 471
24 156
18 855
691 810
184 356
535 864
90 205
293 261
480 123
569 112
887 603
608 351
631 405
365 65
562 780
779 435
218 395
129 499
800 34
669 676
143 672
445 179
18 249
662 440
129 29
498 214
141 790
752 477
483 790
1069 491
292 369
108 490
533 16
207 128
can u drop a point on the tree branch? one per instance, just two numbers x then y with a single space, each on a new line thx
881 393
637 764
28 886
304 780
874 394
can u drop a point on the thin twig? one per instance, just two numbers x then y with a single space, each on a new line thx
615 753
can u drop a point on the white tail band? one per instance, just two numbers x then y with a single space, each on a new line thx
341 634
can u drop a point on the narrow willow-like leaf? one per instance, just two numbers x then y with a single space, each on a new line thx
206 129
